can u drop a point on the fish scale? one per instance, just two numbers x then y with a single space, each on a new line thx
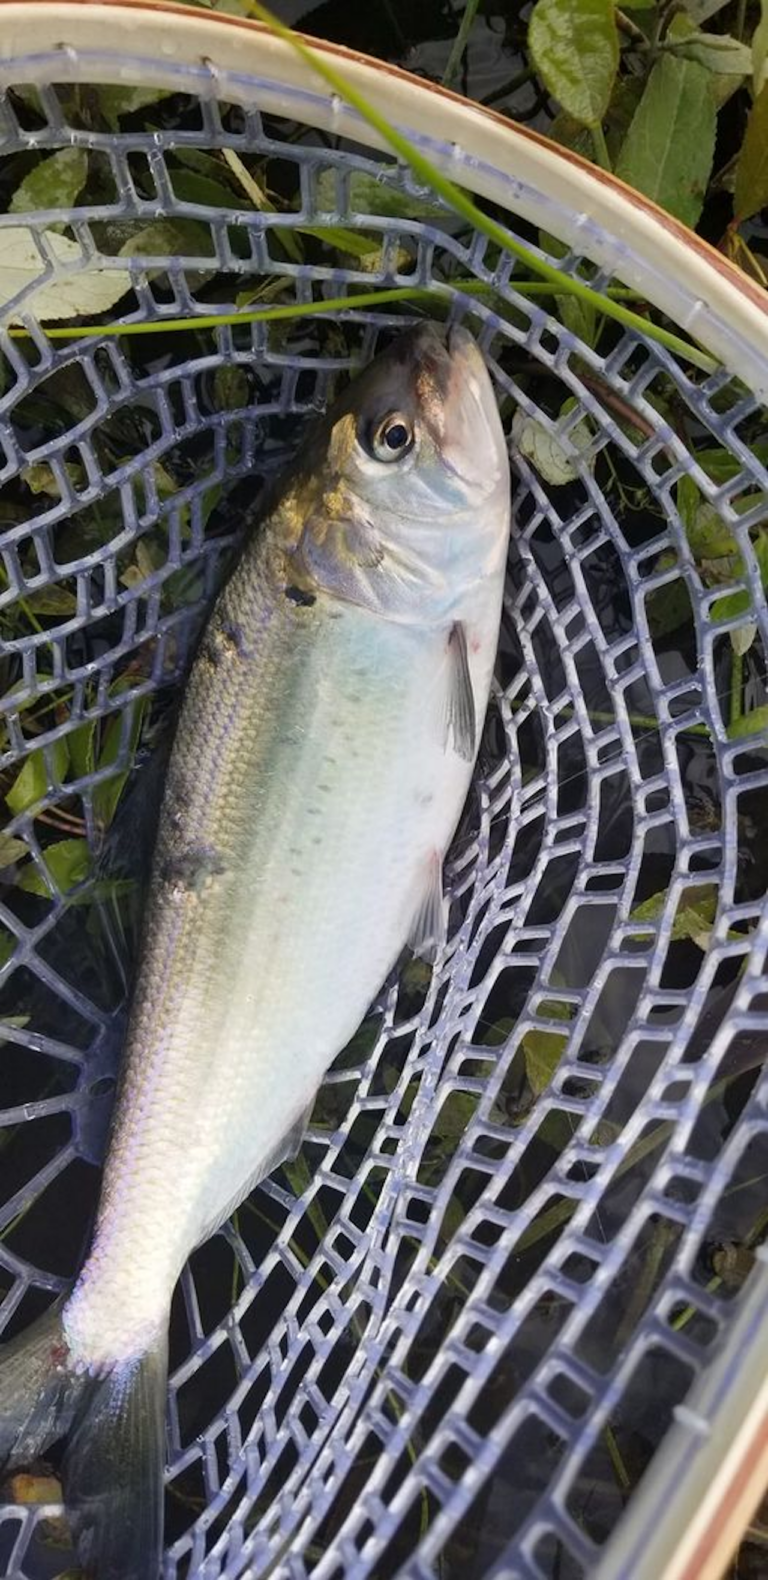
322 757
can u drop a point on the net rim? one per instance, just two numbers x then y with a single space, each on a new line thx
625 232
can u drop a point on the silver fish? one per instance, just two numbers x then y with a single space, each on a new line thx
325 747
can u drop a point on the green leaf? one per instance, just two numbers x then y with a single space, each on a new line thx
721 465
717 52
107 794
189 187
91 291
688 500
55 599
55 183
668 150
82 748
574 46
170 238
31 783
230 387
701 10
68 862
738 603
754 723
556 459
708 535
11 850
543 1051
367 195
760 51
694 917
116 102
751 191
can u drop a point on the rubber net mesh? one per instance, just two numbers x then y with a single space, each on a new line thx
452 1334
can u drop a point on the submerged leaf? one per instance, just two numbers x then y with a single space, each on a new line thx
558 459
107 794
68 296
751 191
574 46
753 723
543 1051
68 862
370 195
668 150
116 102
54 183
31 782
11 850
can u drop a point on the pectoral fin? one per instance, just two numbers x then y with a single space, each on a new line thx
429 925
460 724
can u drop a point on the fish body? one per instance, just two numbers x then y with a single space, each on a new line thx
323 754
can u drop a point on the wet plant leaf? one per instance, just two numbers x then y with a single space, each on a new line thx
82 748
717 52
107 794
11 850
55 599
708 534
694 918
169 238
116 102
574 46
230 387
54 183
753 723
760 51
751 190
92 291
68 862
669 148
543 1051
368 195
31 782
555 458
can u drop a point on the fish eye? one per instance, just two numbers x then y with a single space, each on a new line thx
393 438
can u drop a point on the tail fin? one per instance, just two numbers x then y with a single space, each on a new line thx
115 1454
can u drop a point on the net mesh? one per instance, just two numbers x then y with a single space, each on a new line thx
453 1333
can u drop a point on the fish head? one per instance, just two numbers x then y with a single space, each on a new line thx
410 476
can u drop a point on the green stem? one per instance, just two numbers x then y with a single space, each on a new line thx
601 147
463 205
291 310
460 43
614 1454
736 688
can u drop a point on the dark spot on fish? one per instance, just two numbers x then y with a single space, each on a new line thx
317 839
222 642
298 596
233 634
314 811
188 869
324 788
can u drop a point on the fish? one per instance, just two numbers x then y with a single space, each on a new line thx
325 746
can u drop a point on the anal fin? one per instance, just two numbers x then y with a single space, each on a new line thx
429 925
461 723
